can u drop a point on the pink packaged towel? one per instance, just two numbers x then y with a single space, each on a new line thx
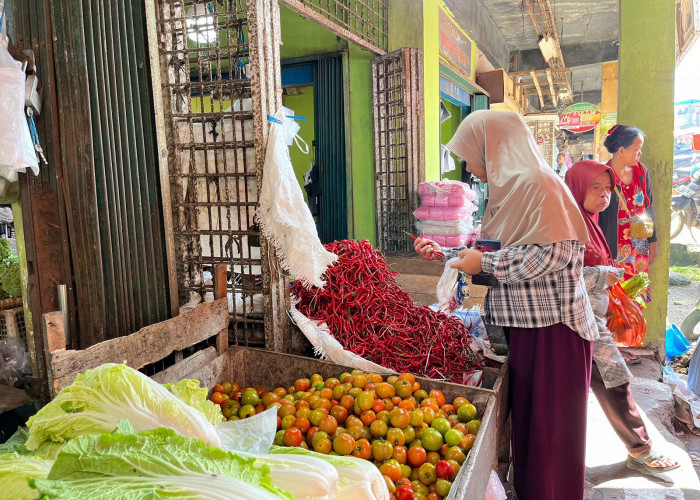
444 213
447 188
452 200
448 240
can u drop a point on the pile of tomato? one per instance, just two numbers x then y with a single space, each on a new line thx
418 440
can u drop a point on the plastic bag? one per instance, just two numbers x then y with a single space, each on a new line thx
694 372
447 288
625 319
676 343
16 146
251 435
14 361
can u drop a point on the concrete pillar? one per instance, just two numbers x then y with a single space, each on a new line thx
608 105
647 66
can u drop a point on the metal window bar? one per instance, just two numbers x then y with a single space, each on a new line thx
206 92
364 22
398 144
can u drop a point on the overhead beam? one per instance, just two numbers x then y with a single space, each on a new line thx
539 89
551 87
574 55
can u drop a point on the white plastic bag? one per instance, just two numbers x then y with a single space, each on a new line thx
16 146
447 288
251 435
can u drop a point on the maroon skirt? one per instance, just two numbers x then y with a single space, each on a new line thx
550 375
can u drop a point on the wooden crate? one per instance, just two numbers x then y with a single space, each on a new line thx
212 365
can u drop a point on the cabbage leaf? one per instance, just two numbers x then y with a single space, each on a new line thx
154 464
16 472
98 399
189 391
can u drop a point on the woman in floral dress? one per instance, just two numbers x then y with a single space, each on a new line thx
632 181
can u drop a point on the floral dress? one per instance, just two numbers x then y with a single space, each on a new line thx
632 253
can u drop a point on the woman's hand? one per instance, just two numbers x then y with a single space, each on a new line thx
653 252
612 277
426 247
469 261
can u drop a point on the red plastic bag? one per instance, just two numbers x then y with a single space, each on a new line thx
625 319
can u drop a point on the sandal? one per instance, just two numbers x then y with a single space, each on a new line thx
640 463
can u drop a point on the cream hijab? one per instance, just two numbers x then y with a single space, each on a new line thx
528 201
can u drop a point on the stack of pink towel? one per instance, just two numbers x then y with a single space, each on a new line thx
446 212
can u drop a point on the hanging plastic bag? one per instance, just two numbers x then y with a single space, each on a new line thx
447 288
694 372
16 146
625 319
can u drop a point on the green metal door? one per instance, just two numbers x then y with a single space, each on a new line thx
330 149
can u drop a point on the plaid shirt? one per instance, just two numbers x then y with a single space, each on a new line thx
539 286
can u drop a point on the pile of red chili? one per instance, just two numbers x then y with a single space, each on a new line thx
370 315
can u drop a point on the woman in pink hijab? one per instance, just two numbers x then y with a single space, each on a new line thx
540 299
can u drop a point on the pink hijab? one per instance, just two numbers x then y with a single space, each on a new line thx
528 202
579 178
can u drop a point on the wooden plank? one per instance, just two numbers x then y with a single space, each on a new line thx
537 86
54 331
221 292
184 368
551 87
216 371
150 344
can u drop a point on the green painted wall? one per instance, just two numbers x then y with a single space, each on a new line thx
647 66
431 89
405 24
301 37
447 130
303 105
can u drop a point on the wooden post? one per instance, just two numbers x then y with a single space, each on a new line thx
221 292
54 339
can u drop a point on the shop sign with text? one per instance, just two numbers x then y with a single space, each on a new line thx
580 117
455 45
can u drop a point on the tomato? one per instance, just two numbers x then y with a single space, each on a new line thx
408 404
288 421
348 402
395 436
217 397
389 485
279 438
453 437
443 469
448 409
473 426
404 389
392 469
321 443
310 434
385 390
292 437
419 487
286 409
378 428
302 424
332 383
218 388
409 434
466 412
322 403
433 457
455 469
400 454
246 411
467 442
316 416
357 432
442 487
382 450
428 415
360 381
328 425
250 397
316 378
367 417
438 396
426 474
269 398
378 405
343 444
362 449
442 425
420 395
302 384
416 456
455 453
399 418
340 413
404 492
431 439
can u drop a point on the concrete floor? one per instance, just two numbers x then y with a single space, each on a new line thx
607 476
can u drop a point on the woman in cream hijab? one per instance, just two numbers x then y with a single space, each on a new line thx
540 299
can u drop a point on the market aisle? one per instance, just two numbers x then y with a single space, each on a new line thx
607 476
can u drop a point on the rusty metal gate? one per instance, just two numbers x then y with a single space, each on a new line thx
398 144
203 57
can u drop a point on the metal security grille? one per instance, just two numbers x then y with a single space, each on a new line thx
364 22
398 144
206 93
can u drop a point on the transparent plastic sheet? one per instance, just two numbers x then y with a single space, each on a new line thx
14 361
447 288
16 147
251 435
463 226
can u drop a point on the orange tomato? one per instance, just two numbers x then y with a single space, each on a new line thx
438 396
392 469
217 397
362 449
417 456
292 437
